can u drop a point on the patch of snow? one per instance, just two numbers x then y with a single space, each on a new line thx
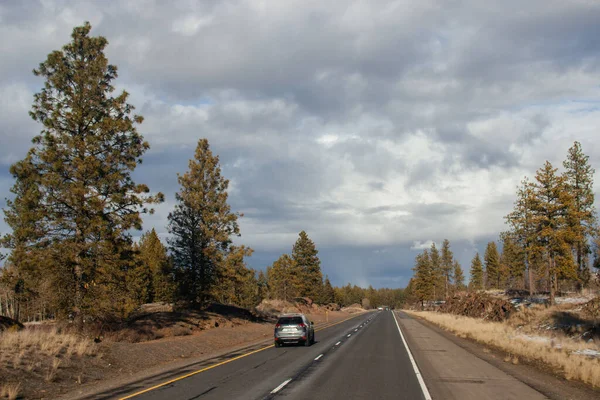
588 353
571 300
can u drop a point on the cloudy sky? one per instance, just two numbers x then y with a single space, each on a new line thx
376 126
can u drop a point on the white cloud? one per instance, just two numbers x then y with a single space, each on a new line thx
369 125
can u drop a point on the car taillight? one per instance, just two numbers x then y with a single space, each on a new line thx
302 326
277 326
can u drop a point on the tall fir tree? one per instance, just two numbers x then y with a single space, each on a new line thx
512 262
201 225
447 262
582 219
153 256
491 259
523 228
236 283
554 233
436 272
304 254
284 278
75 198
263 285
328 293
423 278
476 281
459 276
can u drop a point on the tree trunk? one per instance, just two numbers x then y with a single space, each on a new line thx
530 273
552 281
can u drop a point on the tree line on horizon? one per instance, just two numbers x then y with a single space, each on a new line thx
75 203
552 243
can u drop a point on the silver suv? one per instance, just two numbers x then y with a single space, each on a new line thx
294 328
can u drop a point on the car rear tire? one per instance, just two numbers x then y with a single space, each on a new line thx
307 342
277 344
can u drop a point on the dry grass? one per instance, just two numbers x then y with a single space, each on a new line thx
38 354
555 353
10 390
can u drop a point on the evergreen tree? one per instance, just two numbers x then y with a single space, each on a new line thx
523 228
582 219
476 281
263 285
139 281
554 233
328 293
491 259
512 261
75 198
153 256
236 283
447 265
304 254
284 278
459 277
436 272
201 225
424 278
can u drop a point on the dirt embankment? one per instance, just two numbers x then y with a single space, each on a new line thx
46 361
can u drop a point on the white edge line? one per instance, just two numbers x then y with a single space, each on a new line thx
319 356
338 343
278 388
414 364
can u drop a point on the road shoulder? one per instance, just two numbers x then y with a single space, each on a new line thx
459 368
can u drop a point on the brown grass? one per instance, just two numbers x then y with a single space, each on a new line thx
556 353
38 354
10 390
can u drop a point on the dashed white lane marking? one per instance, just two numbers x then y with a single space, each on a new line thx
356 330
338 343
278 388
414 364
349 334
319 356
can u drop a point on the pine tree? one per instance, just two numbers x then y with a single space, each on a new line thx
436 272
328 293
459 277
554 233
263 285
492 266
512 261
284 278
424 278
201 225
304 254
447 264
582 218
523 228
476 281
75 198
236 283
153 255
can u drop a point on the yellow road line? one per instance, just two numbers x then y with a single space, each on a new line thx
219 364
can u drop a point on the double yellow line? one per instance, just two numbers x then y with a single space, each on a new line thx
219 364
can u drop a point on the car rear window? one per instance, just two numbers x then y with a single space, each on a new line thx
290 320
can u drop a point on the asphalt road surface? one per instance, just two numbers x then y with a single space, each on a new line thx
361 358
365 357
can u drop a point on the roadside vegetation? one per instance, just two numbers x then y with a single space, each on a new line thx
573 359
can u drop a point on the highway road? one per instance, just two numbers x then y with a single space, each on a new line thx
375 355
362 357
